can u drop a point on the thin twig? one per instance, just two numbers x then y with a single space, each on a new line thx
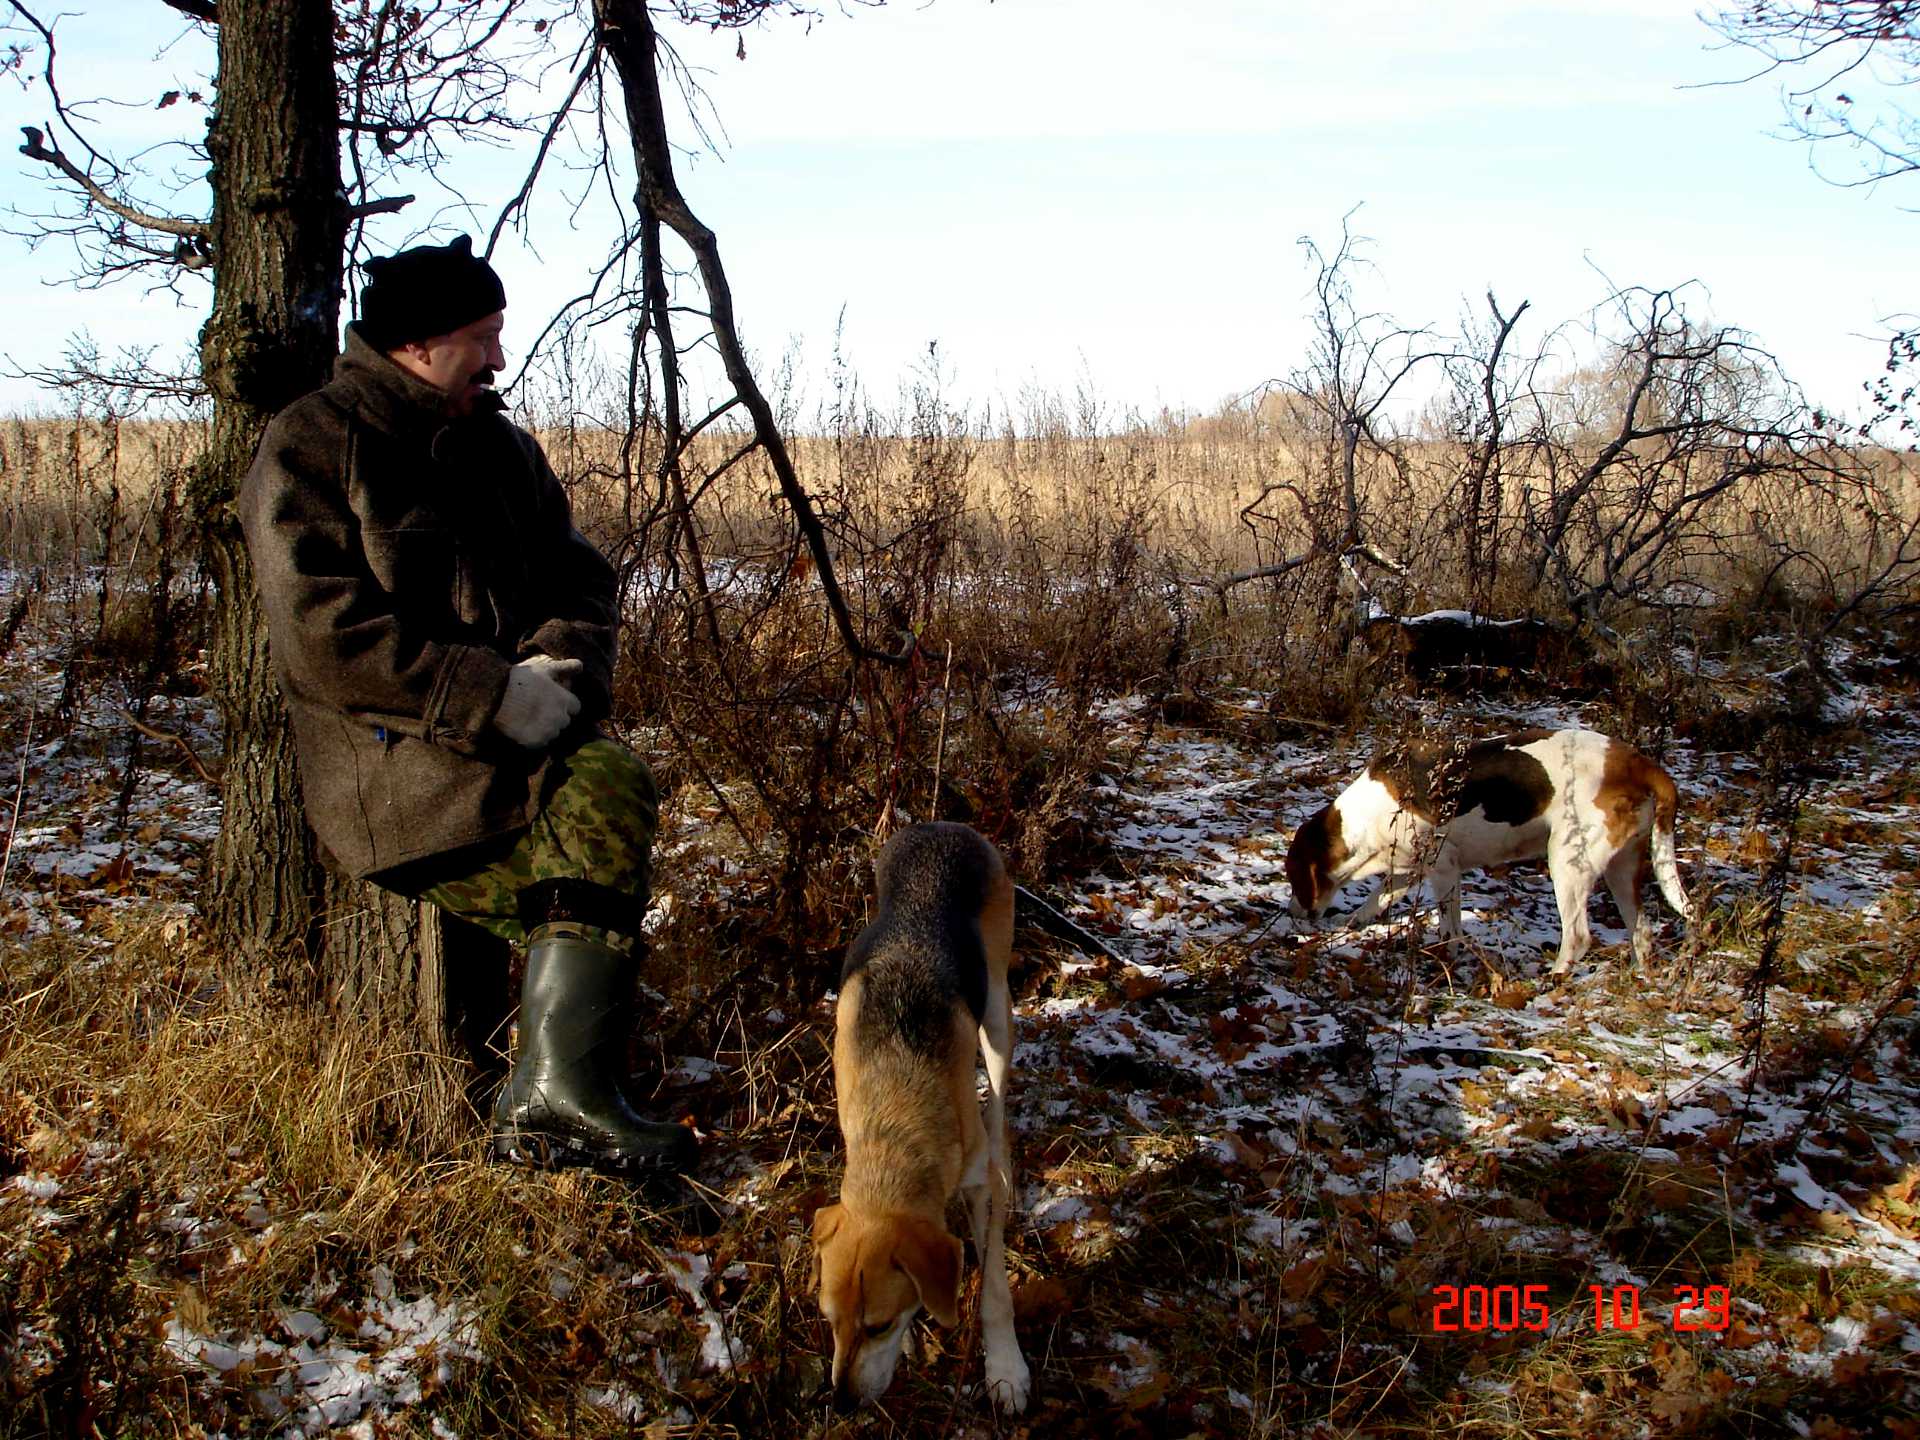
174 737
1030 909
13 822
940 741
1902 991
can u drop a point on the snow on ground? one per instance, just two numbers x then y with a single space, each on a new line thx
1242 1031
321 1376
85 832
1295 1078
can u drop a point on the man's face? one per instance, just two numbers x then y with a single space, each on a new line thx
462 363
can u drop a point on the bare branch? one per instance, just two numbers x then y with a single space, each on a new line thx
1264 572
1367 551
38 148
559 121
173 737
626 32
126 384
1855 56
53 88
391 205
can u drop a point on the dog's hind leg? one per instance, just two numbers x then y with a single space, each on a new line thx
1572 886
1625 873
1008 1379
976 1172
1445 878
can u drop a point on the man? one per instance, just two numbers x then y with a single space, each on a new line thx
445 639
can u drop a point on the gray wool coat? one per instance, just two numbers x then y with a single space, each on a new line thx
404 564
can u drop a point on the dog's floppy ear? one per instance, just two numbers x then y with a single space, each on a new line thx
826 1220
931 1258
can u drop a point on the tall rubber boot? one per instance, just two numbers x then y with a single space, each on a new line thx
562 1104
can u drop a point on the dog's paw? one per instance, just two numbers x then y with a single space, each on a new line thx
1008 1380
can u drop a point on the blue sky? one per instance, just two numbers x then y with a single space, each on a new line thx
1108 193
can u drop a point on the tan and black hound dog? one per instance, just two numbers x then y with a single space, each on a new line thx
923 992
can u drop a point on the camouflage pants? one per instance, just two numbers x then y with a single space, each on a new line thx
597 824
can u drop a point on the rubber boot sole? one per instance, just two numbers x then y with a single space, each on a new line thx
537 1151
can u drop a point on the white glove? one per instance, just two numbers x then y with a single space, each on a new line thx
537 706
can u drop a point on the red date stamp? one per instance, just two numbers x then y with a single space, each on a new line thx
1616 1307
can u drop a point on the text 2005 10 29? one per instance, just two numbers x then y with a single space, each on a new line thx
1617 1307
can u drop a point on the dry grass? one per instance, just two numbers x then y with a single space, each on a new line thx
132 1073
80 488
226 1161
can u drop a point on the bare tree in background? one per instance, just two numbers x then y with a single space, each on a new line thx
1581 477
1484 401
1846 67
1338 401
1690 414
1680 461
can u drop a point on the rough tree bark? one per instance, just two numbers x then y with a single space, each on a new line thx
278 236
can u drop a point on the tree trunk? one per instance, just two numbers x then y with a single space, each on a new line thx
279 237
278 231
404 967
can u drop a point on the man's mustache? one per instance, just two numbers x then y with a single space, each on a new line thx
483 377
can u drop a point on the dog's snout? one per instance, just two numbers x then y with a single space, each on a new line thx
845 1402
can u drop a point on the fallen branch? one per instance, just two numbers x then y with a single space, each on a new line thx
1264 572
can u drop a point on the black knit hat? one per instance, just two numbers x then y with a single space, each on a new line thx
426 291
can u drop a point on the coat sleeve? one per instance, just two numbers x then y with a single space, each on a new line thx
339 639
575 612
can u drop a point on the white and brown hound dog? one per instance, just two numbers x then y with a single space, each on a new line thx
1591 805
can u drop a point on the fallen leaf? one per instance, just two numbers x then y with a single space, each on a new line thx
1852 1367
1300 1282
1512 994
1041 1300
1244 1153
1670 1194
1679 1406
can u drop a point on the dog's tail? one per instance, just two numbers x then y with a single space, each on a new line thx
1666 869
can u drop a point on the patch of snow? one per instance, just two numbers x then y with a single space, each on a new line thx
719 1350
